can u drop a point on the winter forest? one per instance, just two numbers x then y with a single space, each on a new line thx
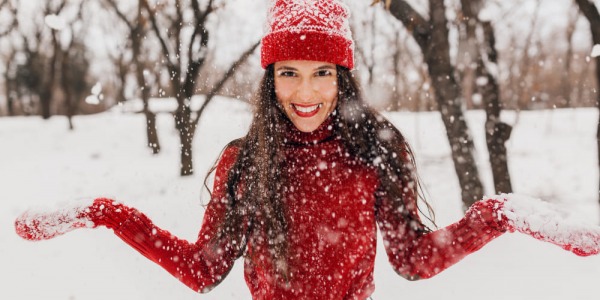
135 99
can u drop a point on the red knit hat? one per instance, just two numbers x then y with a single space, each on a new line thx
315 30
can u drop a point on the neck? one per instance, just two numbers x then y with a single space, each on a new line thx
324 132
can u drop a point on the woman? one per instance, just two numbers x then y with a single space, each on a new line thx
300 197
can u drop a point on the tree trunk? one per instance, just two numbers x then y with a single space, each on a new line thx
137 35
183 121
483 52
186 136
46 98
593 15
66 87
151 133
448 98
9 90
183 116
10 106
123 70
49 77
496 131
432 37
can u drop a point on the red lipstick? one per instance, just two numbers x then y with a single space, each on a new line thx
306 111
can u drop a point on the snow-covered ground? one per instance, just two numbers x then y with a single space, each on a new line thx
552 156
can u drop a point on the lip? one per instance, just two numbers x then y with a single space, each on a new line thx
304 114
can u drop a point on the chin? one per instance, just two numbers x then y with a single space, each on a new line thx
304 127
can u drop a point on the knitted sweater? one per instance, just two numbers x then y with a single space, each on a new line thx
333 211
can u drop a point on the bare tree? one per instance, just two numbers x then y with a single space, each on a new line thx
73 63
483 52
137 33
590 11
49 80
184 56
432 37
8 8
50 73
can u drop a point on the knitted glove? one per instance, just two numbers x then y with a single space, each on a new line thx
36 226
546 222
488 212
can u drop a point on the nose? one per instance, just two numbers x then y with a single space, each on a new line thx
305 91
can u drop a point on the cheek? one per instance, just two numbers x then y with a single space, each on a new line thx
283 92
330 93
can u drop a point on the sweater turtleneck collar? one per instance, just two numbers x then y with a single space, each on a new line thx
324 132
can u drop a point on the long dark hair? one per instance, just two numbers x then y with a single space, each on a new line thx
254 185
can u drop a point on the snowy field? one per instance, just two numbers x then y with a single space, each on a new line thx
552 156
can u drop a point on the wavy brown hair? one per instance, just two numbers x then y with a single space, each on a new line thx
255 184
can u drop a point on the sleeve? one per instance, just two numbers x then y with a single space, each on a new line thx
417 253
200 265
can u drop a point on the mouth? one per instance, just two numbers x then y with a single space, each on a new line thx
306 111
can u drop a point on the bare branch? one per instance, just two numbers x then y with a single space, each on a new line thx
201 16
178 24
224 79
163 43
590 11
413 21
196 9
120 14
198 28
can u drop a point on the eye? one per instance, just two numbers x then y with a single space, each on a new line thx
287 73
323 73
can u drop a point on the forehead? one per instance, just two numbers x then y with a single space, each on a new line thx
303 65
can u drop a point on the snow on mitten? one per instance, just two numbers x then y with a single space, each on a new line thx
36 226
546 222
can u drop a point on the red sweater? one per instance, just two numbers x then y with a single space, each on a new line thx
333 215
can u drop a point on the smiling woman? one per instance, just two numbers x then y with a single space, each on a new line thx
302 194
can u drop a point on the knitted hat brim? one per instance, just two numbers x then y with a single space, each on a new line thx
307 45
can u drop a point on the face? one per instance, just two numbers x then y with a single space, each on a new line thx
307 91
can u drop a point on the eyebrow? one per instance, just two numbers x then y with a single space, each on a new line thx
324 67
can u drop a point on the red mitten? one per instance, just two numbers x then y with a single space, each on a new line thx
546 222
488 212
37 226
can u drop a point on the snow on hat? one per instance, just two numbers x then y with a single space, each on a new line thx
316 30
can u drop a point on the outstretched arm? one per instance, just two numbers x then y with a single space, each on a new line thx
200 265
416 254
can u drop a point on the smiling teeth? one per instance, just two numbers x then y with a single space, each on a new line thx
307 109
